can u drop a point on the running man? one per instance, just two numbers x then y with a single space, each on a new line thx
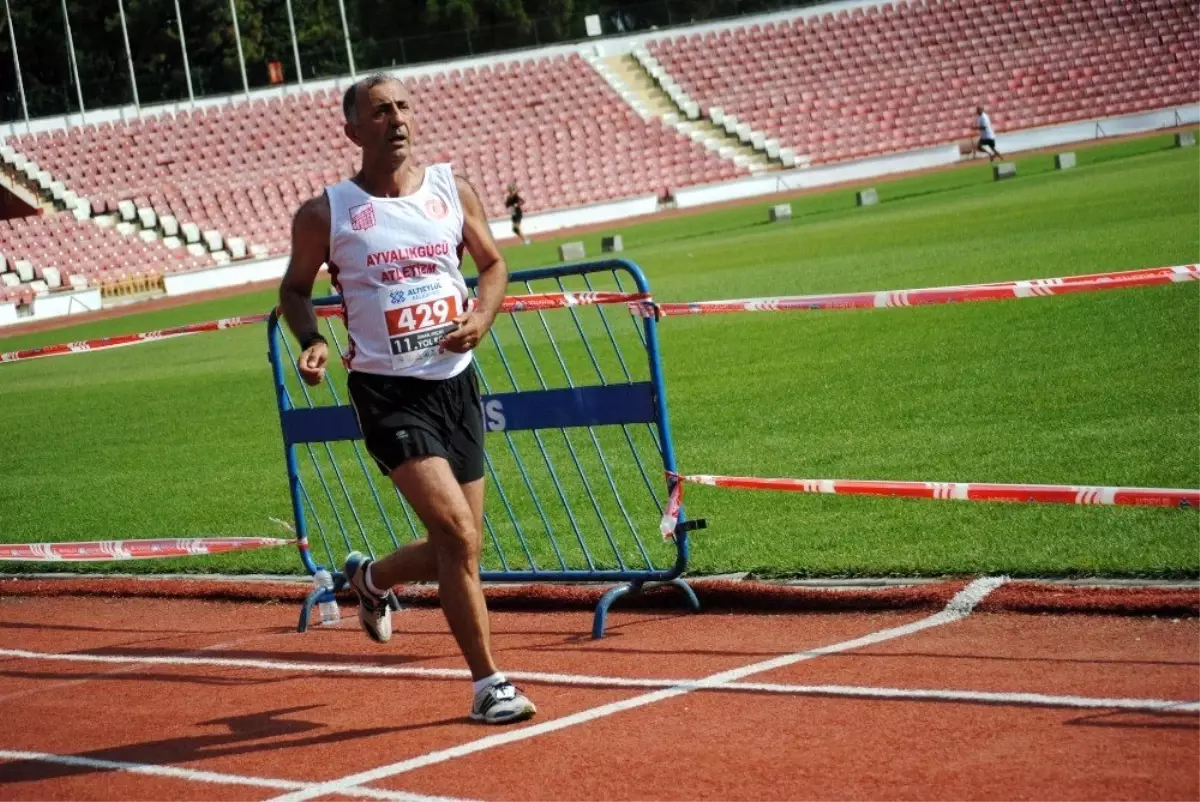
393 236
515 203
987 137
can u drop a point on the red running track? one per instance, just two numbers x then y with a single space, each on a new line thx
226 701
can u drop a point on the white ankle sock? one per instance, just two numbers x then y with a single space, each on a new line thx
371 585
483 684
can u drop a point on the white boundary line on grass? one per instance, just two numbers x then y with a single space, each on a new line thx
958 608
213 777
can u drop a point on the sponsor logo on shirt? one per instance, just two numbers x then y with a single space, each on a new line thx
362 217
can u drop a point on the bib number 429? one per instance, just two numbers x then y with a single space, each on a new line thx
417 317
416 329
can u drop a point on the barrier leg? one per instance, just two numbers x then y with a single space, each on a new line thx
306 608
606 601
688 593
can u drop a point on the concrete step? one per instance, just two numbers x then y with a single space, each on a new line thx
626 68
651 94
755 159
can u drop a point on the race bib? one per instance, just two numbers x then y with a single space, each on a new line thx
418 315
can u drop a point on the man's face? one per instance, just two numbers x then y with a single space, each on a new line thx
384 121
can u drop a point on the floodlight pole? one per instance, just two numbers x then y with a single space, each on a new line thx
237 35
74 64
129 57
187 71
295 44
346 36
17 65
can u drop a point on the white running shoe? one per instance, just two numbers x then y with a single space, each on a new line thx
374 613
502 703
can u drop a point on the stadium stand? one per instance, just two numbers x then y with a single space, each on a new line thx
909 75
551 125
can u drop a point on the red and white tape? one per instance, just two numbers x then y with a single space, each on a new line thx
670 517
119 340
1033 288
967 491
641 303
106 550
562 300
513 303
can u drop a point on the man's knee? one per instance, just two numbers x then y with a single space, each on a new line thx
456 541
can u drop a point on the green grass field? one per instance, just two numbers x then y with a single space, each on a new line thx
181 438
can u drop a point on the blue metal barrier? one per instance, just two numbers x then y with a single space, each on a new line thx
579 443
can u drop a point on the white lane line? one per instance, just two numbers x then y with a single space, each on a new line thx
593 681
959 607
230 662
58 687
1017 699
198 775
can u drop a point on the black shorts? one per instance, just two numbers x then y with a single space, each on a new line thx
516 217
402 418
986 143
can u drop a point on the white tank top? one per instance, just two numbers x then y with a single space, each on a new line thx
396 262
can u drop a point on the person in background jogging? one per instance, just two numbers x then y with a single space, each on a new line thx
987 137
514 203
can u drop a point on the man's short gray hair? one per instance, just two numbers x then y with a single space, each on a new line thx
350 99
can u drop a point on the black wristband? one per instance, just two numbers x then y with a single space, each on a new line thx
308 340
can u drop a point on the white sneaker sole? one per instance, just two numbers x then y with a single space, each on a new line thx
524 713
378 637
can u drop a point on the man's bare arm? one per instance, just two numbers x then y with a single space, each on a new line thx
493 273
310 251
477 235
